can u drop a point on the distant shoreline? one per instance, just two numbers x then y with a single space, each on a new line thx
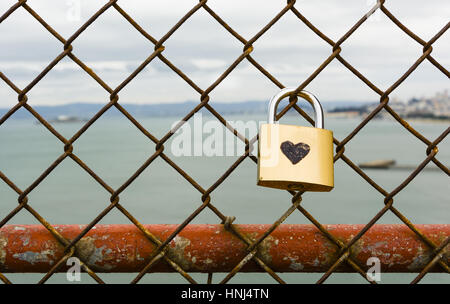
82 111
342 115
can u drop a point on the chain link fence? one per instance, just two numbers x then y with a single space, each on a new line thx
161 245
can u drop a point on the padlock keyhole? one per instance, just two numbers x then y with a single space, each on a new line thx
296 187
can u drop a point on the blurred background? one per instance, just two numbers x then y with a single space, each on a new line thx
114 148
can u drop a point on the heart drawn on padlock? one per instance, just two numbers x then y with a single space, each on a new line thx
294 153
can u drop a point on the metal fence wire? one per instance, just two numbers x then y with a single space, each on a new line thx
161 246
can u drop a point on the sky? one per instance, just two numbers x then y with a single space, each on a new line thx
203 49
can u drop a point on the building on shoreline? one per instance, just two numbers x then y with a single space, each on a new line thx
436 107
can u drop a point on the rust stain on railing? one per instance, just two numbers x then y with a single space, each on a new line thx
211 248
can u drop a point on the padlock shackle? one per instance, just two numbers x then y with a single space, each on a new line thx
275 100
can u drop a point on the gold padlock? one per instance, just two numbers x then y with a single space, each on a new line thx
295 157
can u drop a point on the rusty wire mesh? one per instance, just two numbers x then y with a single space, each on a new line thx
161 246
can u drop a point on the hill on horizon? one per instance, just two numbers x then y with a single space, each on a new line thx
86 110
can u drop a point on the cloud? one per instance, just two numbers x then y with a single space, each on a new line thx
203 50
207 64
37 66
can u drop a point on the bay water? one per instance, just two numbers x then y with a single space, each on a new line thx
114 149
